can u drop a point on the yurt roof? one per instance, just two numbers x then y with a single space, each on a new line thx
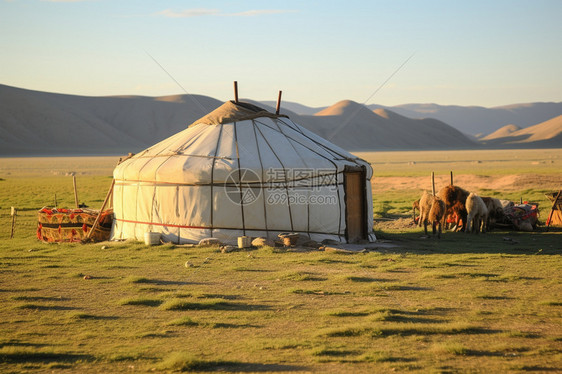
234 136
234 112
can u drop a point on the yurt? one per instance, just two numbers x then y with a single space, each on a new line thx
243 171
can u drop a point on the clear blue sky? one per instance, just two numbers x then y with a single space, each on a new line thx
484 53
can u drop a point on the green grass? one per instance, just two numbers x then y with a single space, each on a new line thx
182 361
459 304
137 279
452 348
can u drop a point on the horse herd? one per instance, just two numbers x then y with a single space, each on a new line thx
470 212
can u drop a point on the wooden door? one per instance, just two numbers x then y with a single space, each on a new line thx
355 205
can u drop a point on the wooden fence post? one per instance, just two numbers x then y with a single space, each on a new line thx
14 213
554 203
96 222
75 192
433 183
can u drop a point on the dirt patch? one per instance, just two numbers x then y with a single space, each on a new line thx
398 224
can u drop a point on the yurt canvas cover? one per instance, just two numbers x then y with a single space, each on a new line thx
238 171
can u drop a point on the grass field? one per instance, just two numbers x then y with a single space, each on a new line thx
490 302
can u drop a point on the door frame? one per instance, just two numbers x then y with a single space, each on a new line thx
362 170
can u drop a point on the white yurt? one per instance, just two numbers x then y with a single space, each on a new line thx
243 171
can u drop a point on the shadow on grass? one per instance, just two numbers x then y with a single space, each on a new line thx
412 319
408 331
86 316
161 282
535 368
218 296
183 361
219 325
40 298
538 242
179 304
300 291
31 289
301 276
251 270
45 307
364 279
333 352
141 302
474 352
478 275
43 357
405 330
494 297
242 367
18 343
329 261
408 288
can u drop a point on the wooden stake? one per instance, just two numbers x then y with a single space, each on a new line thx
452 178
75 191
554 203
236 92
278 103
433 183
96 222
14 213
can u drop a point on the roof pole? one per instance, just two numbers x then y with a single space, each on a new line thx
278 103
236 92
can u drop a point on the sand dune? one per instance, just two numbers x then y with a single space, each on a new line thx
548 133
502 132
547 130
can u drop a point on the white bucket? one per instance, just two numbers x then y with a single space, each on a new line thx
244 242
151 238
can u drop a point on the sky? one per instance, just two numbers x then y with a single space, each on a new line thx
485 53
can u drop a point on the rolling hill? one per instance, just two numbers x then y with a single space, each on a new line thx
502 132
545 134
353 126
41 123
33 122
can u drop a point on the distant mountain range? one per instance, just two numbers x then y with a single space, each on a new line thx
353 126
473 120
41 123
